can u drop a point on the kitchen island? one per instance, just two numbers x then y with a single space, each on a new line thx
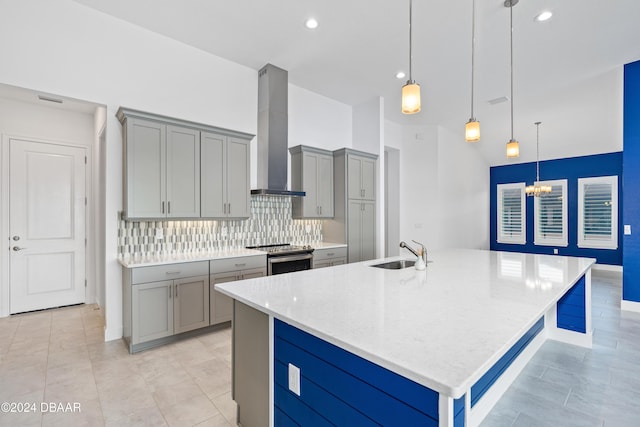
359 345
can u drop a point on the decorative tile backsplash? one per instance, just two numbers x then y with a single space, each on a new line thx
270 223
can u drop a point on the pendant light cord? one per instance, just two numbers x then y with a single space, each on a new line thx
473 49
537 152
410 38
511 38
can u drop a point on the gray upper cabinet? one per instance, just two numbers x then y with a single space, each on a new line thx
183 172
312 172
162 170
225 176
362 177
179 169
354 222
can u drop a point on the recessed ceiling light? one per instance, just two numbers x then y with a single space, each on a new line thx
400 75
543 16
311 24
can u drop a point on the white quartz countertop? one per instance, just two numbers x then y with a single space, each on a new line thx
150 260
147 261
443 327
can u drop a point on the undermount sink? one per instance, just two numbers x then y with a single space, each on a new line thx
395 265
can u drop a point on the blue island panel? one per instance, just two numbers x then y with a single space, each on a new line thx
487 380
339 388
571 309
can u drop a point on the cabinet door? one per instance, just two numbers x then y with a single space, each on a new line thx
368 179
368 231
354 172
238 158
191 303
311 207
354 235
221 306
324 187
338 261
183 172
145 169
151 311
322 264
253 273
213 175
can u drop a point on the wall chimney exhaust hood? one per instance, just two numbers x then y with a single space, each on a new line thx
273 144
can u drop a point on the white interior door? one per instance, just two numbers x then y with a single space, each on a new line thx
47 225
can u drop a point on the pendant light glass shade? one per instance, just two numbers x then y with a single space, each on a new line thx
472 128
513 149
411 98
472 131
411 102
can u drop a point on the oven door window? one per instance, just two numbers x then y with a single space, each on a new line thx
289 264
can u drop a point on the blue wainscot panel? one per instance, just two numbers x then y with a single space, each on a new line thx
570 310
340 388
484 384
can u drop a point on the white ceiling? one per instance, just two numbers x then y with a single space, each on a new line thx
360 44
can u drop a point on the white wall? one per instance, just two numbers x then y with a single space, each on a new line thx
40 122
444 190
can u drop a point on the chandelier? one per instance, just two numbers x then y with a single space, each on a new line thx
537 189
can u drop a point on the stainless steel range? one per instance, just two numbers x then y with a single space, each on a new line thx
286 258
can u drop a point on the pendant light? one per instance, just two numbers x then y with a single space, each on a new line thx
411 90
513 148
472 128
536 189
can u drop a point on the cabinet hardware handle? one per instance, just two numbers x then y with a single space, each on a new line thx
229 208
241 265
320 210
176 291
170 291
168 207
173 272
162 207
330 254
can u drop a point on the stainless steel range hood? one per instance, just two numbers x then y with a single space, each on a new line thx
273 144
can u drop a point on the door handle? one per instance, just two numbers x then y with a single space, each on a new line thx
16 238
16 249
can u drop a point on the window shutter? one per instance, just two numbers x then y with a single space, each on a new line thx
551 215
598 212
511 213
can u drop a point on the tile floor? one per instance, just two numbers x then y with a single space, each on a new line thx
58 356
565 385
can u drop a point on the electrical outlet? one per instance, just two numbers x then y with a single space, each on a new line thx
627 229
159 234
294 379
555 251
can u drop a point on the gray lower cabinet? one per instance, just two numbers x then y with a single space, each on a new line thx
361 230
160 301
329 257
230 270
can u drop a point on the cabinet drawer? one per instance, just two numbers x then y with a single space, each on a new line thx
169 272
322 254
238 263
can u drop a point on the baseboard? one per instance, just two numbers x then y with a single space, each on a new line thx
630 306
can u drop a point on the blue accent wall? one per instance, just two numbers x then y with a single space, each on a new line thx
570 169
631 165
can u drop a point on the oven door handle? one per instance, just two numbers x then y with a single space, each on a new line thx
278 259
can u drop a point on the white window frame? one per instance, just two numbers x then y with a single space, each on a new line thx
518 239
612 242
539 239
